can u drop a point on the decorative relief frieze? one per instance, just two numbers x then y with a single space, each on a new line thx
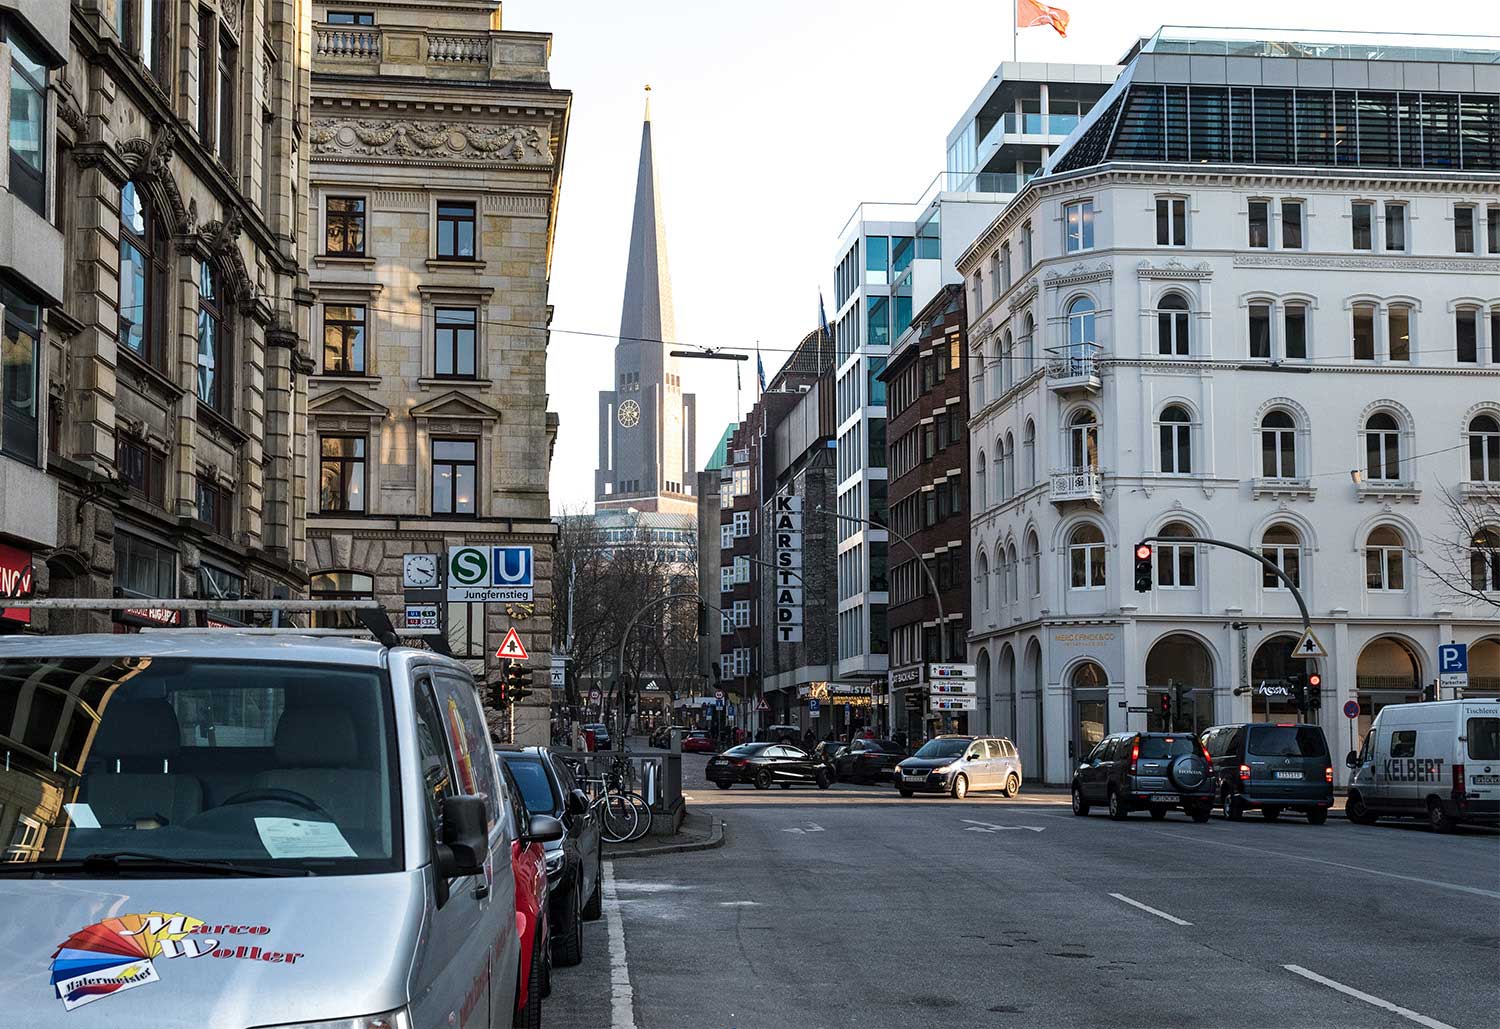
1078 274
367 137
1174 270
1024 297
1361 263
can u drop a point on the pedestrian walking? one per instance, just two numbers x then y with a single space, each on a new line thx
809 741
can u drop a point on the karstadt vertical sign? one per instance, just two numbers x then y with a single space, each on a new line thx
786 533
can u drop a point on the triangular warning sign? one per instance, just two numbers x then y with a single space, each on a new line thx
512 648
1309 646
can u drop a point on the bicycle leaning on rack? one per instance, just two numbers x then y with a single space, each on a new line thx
623 813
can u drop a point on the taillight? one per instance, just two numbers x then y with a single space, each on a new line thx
1328 774
1244 773
738 762
1460 787
1135 753
1206 759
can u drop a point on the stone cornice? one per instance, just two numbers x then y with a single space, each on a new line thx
1078 275
1372 262
1174 270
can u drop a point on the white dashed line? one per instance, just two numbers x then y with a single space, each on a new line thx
621 994
1151 910
1407 1013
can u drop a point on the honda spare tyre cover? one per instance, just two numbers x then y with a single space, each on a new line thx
1188 772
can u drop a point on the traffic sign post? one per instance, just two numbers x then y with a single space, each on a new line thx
1308 645
490 575
1453 668
512 649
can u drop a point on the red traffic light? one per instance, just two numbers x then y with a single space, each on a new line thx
1143 551
1315 679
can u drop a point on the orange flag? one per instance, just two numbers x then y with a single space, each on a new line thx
1030 13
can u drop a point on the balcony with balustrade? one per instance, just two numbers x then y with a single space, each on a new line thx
1074 368
1077 485
413 52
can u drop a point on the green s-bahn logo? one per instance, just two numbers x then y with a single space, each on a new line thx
470 566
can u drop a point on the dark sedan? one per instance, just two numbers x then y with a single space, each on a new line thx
762 764
868 760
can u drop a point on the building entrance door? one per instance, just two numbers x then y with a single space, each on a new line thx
1090 721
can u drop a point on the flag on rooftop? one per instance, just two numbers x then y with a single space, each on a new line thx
1031 13
822 315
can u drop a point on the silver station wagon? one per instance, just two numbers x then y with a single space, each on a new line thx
218 828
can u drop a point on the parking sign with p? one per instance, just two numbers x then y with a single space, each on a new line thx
1453 666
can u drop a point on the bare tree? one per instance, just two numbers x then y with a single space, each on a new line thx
1465 562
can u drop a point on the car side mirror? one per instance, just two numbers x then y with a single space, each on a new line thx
1352 760
465 843
578 803
542 829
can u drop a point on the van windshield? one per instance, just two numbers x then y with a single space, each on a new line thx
254 764
1286 741
1484 739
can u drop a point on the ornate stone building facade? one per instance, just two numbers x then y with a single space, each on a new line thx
437 144
173 359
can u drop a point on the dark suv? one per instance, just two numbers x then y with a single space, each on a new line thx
1157 771
574 864
1271 766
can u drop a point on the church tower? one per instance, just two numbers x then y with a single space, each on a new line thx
646 423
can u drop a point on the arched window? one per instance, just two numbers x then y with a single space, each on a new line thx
1013 573
984 581
143 277
1000 459
981 483
1033 564
1385 560
1083 440
1172 325
1484 449
1282 546
997 367
1382 447
1484 561
1028 443
1009 464
1177 563
1086 561
1175 428
1028 345
1002 576
1082 334
1278 446
213 342
1007 356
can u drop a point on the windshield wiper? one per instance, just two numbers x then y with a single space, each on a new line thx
116 862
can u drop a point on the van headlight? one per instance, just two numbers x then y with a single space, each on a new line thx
399 1019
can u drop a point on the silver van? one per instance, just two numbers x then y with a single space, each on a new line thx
219 828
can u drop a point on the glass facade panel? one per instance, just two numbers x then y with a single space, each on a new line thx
877 260
1208 125
1273 126
878 321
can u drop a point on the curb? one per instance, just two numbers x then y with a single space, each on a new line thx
713 840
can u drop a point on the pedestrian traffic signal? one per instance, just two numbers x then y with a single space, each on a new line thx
1143 553
1166 709
1298 684
1430 692
1314 691
498 694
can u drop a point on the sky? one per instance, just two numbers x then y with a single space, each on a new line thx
771 121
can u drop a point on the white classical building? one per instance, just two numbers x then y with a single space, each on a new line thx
1255 297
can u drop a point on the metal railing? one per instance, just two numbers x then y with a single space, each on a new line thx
1077 484
1077 361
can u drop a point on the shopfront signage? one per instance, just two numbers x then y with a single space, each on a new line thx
15 581
905 677
1272 689
786 533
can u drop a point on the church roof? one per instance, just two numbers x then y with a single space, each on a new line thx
646 312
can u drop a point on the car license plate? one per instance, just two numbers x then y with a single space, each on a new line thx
1164 798
1487 780
916 775
1288 775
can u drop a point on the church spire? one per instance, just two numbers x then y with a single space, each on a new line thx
646 313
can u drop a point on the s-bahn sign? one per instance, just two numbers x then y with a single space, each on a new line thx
490 575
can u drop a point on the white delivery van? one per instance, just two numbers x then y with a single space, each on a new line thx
1439 761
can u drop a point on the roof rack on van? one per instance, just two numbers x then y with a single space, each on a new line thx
371 614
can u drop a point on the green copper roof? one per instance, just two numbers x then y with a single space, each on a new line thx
720 455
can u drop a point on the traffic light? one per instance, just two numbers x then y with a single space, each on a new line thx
517 682
1166 708
498 693
1314 691
1429 692
1297 682
1143 553
702 619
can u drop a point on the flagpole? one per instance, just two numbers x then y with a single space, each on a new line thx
1015 32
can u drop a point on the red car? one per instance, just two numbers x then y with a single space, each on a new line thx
532 927
698 743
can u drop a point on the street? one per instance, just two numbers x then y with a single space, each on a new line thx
853 907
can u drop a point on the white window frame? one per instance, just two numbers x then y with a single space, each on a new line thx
1281 206
741 524
1082 240
1277 554
742 570
1385 555
726 578
1178 430
741 617
726 536
1088 562
1374 223
1177 557
1488 445
1176 221
1385 226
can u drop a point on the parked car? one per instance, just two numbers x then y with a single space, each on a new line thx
333 801
575 879
1157 771
959 765
1271 767
783 734
698 742
1439 761
762 764
529 864
865 760
601 735
826 753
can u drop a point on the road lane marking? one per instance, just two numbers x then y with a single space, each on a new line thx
811 827
621 994
1407 1013
1150 910
992 827
1475 890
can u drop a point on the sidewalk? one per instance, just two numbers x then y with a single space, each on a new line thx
697 832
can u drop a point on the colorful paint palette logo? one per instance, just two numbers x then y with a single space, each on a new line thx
119 954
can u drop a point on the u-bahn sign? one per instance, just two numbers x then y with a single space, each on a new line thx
490 575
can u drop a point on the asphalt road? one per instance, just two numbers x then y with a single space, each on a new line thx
853 907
